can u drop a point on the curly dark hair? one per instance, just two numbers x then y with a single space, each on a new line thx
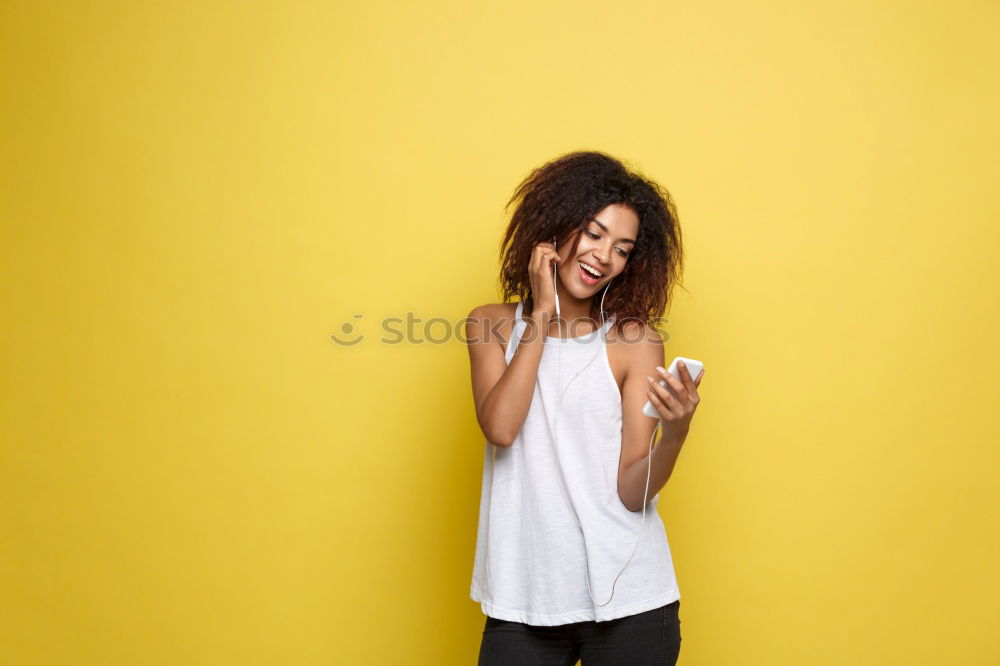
563 195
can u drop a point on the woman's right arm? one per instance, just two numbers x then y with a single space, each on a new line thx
503 392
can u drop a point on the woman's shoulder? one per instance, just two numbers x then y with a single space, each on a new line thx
633 343
494 310
496 319
634 331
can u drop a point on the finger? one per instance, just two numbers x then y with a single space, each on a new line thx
545 266
543 261
690 388
685 376
665 397
536 257
674 383
550 260
538 250
663 407
697 382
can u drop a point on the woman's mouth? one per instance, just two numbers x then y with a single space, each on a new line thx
586 277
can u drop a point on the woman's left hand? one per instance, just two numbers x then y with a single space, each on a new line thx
676 408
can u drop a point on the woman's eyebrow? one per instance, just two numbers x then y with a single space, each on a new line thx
624 240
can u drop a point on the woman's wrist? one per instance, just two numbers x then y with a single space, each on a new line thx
539 323
671 438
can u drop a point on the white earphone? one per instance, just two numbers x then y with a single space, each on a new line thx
600 348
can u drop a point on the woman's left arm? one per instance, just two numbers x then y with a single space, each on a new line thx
676 406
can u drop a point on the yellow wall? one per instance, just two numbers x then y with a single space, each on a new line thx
197 195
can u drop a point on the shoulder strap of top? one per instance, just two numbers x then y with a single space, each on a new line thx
516 329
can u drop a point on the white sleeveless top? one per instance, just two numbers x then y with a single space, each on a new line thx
531 556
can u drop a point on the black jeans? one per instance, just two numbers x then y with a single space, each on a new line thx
651 638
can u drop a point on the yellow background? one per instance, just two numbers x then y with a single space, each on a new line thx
197 195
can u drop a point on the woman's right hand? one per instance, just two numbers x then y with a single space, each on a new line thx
543 298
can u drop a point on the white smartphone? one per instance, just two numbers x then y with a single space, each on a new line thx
694 369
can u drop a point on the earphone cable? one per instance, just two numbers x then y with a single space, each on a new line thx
565 489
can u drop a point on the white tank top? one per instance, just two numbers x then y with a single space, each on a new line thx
530 562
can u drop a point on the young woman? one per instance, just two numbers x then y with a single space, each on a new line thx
572 560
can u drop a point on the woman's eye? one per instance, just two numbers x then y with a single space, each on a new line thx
624 253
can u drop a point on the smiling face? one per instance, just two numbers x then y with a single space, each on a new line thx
605 244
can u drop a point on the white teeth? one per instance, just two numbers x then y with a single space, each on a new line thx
590 270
